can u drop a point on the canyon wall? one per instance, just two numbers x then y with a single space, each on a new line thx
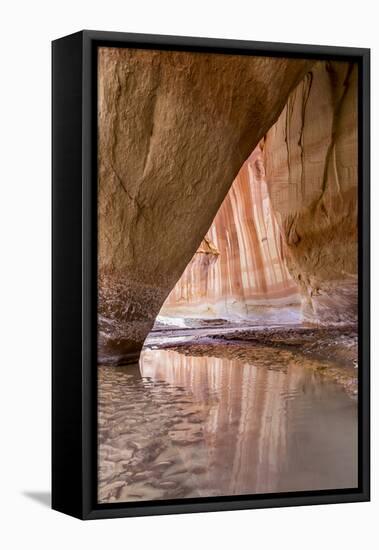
174 128
239 271
311 160
288 225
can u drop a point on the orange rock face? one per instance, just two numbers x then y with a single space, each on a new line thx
174 129
290 234
239 271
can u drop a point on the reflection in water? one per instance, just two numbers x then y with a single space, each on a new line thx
205 426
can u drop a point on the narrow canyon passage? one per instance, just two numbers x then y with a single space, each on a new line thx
239 278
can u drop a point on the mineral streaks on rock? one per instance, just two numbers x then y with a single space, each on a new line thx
174 128
245 274
311 161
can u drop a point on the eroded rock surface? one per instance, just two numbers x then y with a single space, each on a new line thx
307 222
311 162
243 274
174 130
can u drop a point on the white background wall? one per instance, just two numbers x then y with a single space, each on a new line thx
27 27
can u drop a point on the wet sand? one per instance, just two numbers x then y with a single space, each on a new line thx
229 415
332 351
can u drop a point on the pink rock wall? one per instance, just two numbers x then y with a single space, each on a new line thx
239 269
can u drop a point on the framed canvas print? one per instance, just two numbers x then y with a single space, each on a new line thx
210 274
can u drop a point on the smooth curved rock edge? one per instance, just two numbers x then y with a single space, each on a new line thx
174 129
308 161
311 161
248 279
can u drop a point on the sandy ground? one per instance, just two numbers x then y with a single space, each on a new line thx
332 351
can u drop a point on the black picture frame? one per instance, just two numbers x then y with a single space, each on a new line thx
74 294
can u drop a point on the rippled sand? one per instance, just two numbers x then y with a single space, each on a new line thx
149 432
187 425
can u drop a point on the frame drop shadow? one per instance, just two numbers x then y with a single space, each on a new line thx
41 497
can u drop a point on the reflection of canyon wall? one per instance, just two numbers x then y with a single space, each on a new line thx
239 269
268 426
174 129
242 422
311 163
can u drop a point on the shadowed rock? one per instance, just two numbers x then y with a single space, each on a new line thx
311 158
174 130
248 278
308 226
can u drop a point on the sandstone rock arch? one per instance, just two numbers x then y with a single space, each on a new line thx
174 130
302 241
239 272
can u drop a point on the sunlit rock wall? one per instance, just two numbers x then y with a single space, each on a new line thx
174 129
289 222
239 270
311 160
